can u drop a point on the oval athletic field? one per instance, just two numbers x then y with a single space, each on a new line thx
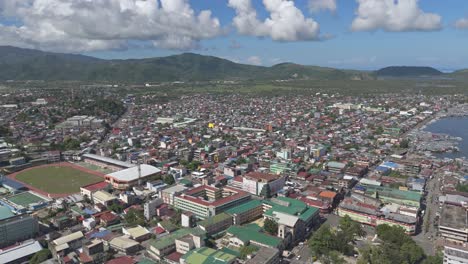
58 179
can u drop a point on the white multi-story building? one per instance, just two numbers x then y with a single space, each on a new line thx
455 255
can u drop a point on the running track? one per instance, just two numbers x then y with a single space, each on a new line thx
60 164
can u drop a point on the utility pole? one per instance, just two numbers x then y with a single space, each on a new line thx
139 172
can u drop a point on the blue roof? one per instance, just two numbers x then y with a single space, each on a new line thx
7 182
100 234
89 211
384 169
390 164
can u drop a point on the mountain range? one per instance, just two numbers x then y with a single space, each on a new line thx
27 64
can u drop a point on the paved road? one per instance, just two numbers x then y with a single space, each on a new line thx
428 234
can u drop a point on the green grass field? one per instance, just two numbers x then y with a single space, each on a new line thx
57 179
25 199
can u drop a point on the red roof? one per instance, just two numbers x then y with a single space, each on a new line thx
238 179
108 216
96 186
201 188
238 194
85 258
159 230
328 194
174 256
121 260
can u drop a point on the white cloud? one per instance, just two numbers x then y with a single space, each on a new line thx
285 23
320 5
394 15
254 60
462 23
87 25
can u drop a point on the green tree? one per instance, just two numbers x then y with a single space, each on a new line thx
322 241
373 255
266 191
169 180
40 256
135 217
437 259
116 207
247 250
404 143
271 226
334 257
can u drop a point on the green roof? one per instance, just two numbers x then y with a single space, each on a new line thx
394 193
146 261
247 234
310 212
207 255
77 210
5 212
253 227
230 251
185 182
286 205
168 225
116 227
215 219
244 207
170 239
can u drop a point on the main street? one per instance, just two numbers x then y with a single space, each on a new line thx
428 231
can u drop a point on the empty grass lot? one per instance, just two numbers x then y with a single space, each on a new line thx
57 179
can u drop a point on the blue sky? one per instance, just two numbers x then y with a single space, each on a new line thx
424 33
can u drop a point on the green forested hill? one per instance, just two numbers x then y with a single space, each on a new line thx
26 64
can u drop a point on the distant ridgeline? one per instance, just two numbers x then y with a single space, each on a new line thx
28 64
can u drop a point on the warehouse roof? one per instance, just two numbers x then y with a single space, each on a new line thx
132 174
394 193
205 255
123 242
25 249
109 160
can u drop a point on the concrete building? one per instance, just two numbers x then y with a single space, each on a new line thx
103 197
124 245
453 224
367 211
17 228
163 246
62 246
390 195
239 236
455 254
295 219
254 183
216 224
149 208
88 190
246 212
137 233
168 195
206 201
265 256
